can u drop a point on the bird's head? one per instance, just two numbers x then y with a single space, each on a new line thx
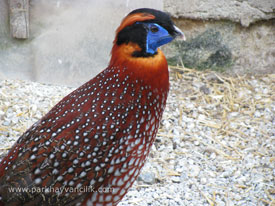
137 42
147 29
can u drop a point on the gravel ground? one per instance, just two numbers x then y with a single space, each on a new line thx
215 146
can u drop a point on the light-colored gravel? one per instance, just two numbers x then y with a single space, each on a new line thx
216 144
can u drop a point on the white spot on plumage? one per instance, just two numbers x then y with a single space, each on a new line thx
87 163
51 156
56 164
32 157
70 170
37 171
92 182
122 192
115 190
140 147
64 155
116 198
108 198
36 139
126 178
79 185
38 181
136 173
55 171
97 168
83 174
114 181
76 161
35 149
137 141
132 171
100 179
111 169
117 173
47 143
71 183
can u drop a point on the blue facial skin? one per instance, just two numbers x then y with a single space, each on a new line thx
156 37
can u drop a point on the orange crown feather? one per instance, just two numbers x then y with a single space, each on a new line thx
132 18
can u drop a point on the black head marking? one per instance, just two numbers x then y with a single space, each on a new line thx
162 18
136 33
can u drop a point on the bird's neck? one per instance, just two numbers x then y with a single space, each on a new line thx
152 70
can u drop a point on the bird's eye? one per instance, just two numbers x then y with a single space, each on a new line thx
154 29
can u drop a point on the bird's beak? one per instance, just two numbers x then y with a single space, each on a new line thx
179 34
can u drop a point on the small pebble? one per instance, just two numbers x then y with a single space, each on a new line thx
176 179
197 143
147 177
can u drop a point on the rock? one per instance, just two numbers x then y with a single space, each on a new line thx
187 196
6 123
205 51
197 143
205 89
212 77
233 114
257 114
190 125
147 177
176 179
213 155
203 181
195 170
1 114
176 141
244 12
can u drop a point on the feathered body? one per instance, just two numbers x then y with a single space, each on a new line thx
91 146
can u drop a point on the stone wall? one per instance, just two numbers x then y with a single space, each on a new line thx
227 35
244 12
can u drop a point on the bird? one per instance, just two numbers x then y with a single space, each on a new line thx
90 147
